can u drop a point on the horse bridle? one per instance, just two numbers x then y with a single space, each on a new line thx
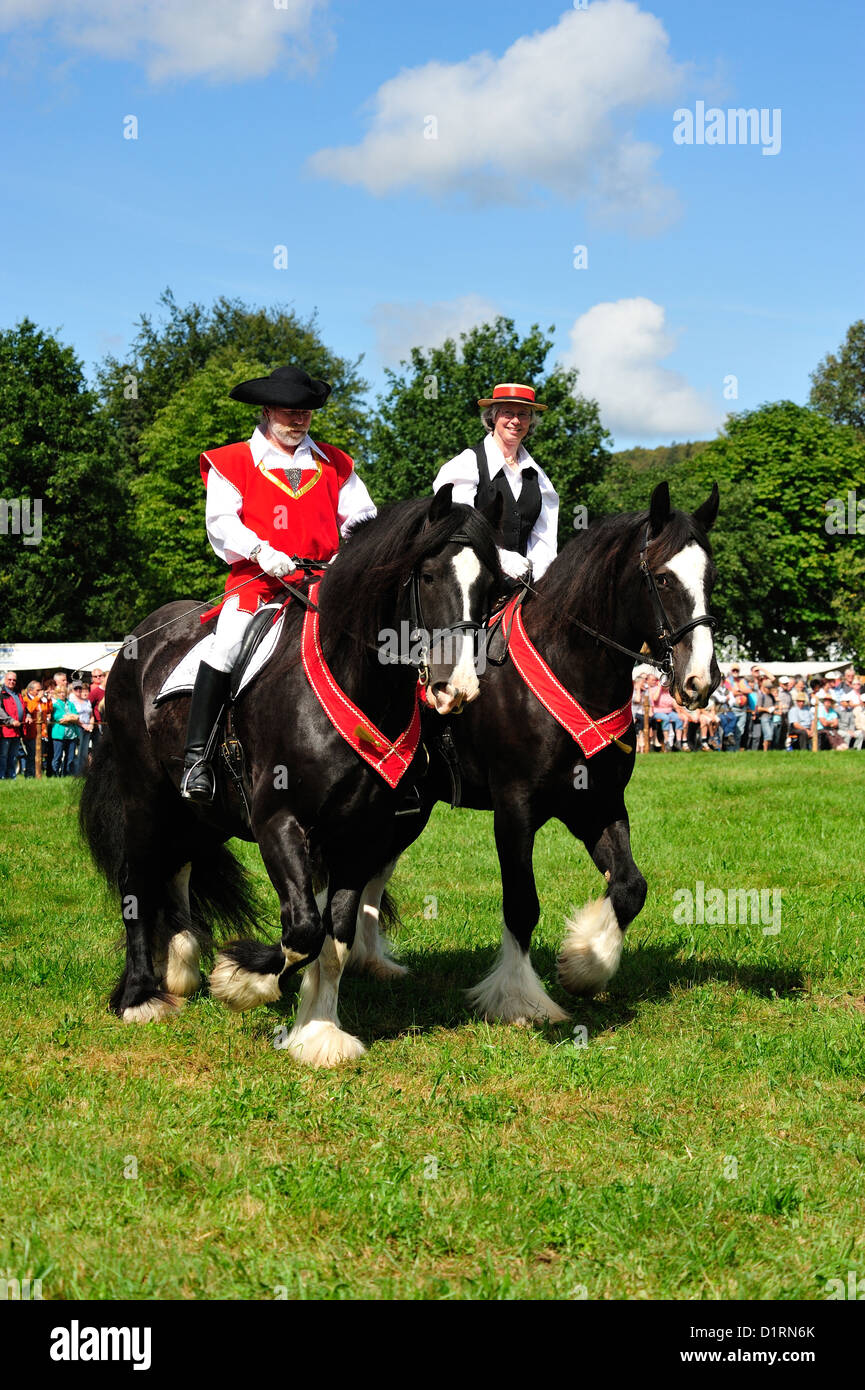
666 637
419 632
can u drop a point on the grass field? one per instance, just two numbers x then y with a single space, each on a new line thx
708 1142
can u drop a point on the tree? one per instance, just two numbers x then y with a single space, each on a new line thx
430 413
164 358
788 465
56 462
838 383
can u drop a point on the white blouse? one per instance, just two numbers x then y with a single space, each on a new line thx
462 471
226 532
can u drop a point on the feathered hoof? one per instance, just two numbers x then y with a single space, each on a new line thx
591 950
321 1044
239 988
154 1010
182 973
522 1009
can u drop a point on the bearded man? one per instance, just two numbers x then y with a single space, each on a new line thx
277 496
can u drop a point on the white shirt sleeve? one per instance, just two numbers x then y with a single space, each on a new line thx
226 532
462 471
543 542
354 503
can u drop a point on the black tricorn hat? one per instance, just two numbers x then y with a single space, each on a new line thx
290 387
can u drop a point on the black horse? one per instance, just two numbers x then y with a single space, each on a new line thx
319 812
516 760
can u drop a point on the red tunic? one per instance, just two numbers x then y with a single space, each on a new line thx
302 522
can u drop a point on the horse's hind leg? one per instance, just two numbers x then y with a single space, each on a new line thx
139 996
249 973
183 948
512 992
369 954
592 948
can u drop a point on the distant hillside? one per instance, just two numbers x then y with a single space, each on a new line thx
632 473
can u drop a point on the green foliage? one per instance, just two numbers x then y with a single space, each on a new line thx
778 467
430 413
784 584
54 448
838 383
164 357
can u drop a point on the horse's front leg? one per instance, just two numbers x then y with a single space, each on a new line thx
317 1038
512 992
248 973
592 947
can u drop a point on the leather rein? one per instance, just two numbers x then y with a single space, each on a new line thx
667 637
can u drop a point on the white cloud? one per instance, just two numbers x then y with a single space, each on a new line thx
401 326
619 348
551 113
229 40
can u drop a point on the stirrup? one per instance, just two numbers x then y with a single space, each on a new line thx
199 768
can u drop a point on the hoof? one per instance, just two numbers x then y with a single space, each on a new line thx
320 1044
592 949
154 1010
238 988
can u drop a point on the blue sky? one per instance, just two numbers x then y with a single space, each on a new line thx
302 124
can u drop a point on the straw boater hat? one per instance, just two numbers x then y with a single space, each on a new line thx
512 393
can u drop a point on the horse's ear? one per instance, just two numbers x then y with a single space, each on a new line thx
708 510
441 503
494 511
659 508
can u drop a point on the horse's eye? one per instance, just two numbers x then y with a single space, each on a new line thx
428 578
661 581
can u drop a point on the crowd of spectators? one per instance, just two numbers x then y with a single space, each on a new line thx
757 711
62 718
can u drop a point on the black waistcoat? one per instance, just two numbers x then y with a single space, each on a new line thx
520 513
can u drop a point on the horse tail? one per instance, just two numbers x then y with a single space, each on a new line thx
222 895
100 812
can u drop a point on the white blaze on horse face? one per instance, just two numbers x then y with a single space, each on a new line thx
689 567
463 684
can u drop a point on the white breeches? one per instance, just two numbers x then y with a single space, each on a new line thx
230 628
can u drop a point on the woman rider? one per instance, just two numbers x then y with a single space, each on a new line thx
501 465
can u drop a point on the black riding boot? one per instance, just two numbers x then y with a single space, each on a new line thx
208 697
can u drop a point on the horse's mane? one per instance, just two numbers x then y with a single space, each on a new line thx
586 575
360 590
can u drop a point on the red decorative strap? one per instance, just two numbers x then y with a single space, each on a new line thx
591 734
388 759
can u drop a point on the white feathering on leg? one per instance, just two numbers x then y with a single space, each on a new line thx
369 954
153 1010
512 992
182 975
241 989
317 1040
592 948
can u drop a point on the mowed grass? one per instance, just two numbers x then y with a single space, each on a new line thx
708 1142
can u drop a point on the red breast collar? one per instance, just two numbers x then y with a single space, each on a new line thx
389 759
591 734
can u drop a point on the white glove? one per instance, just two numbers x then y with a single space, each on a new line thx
274 562
515 565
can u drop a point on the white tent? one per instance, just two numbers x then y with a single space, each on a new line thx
57 656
